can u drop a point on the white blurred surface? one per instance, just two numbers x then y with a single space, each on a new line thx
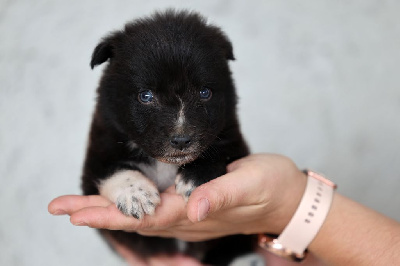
318 81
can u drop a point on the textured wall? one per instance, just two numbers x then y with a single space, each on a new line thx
318 81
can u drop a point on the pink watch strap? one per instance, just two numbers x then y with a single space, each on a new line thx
306 221
309 216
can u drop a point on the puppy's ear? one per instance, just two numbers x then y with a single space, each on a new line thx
227 46
105 49
224 43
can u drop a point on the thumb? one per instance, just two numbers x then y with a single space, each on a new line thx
222 193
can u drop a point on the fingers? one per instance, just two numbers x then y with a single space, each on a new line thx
104 217
94 211
71 203
224 192
98 212
193 235
243 185
175 260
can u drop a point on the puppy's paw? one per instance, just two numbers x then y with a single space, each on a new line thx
132 192
184 187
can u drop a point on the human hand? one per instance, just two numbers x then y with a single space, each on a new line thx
98 212
259 193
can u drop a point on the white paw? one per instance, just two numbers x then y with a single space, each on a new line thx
183 187
132 192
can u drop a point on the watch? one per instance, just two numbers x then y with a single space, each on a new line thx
314 206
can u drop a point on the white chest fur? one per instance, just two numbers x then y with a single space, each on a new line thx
162 174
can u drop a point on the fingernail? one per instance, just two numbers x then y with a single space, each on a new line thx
80 224
59 212
203 207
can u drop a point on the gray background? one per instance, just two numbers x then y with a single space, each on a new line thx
318 81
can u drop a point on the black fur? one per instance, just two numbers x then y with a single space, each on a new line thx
175 55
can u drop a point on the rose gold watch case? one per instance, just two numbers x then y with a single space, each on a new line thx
272 245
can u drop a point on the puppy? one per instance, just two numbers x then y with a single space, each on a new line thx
165 114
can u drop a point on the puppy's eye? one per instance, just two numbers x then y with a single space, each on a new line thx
145 96
205 93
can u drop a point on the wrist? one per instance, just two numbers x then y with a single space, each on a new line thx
306 222
288 199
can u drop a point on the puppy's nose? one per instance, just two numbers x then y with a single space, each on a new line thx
181 141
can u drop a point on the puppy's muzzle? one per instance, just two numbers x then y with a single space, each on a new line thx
181 142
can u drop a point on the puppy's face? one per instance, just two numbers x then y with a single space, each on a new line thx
167 85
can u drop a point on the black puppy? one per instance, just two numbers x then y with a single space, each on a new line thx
166 112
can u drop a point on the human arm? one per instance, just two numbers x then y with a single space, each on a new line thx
259 194
356 235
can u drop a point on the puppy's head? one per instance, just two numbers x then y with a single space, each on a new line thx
167 85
